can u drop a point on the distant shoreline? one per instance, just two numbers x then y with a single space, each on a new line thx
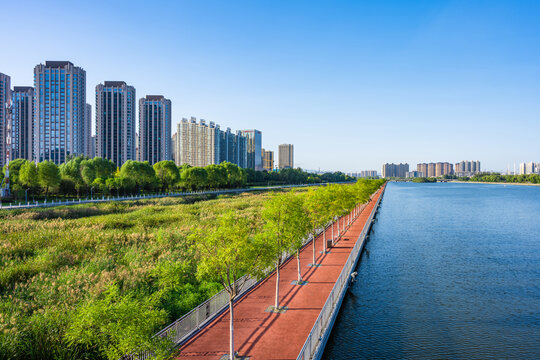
493 183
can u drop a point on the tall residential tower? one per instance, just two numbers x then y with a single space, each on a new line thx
59 111
5 118
22 125
115 121
254 149
154 129
286 156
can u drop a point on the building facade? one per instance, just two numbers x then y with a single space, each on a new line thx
467 168
201 144
254 149
174 140
5 117
529 168
268 160
115 122
286 156
22 112
88 131
154 129
413 174
435 169
394 170
59 111
372 174
197 143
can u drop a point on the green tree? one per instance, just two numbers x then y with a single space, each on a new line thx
28 175
48 175
194 178
227 253
71 171
168 174
217 176
316 209
14 168
284 227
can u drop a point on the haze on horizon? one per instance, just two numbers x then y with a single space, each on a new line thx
351 85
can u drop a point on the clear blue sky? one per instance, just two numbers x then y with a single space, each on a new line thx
351 84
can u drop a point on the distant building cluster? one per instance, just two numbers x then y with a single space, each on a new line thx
467 168
52 121
529 168
435 169
438 169
368 174
395 170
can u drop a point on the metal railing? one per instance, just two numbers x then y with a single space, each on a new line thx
186 326
314 340
36 204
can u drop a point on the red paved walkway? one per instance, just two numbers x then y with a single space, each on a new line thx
262 335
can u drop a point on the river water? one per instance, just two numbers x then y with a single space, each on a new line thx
451 271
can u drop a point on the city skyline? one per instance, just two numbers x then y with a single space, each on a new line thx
406 71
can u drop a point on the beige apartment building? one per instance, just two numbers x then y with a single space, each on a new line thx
435 169
286 156
197 144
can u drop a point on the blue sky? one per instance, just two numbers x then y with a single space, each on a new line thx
351 84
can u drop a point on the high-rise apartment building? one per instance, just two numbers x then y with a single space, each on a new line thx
467 168
59 111
286 156
254 149
92 147
174 140
5 117
268 160
88 131
529 168
435 169
395 170
199 144
22 111
115 121
154 129
368 174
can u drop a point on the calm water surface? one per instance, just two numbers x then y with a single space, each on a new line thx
451 271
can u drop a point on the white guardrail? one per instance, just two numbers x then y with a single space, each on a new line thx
29 204
314 345
189 324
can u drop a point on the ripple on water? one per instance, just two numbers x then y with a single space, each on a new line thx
453 272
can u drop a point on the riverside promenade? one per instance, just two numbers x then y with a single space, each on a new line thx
264 335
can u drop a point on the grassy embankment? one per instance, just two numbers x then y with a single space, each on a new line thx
89 281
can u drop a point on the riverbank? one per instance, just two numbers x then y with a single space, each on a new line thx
492 183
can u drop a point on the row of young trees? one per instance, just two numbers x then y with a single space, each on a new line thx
239 246
85 176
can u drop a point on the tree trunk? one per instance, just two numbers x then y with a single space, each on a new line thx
299 269
314 231
324 239
231 328
277 286
338 227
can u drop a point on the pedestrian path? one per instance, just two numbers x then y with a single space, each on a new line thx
264 335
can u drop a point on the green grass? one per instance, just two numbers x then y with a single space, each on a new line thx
93 281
